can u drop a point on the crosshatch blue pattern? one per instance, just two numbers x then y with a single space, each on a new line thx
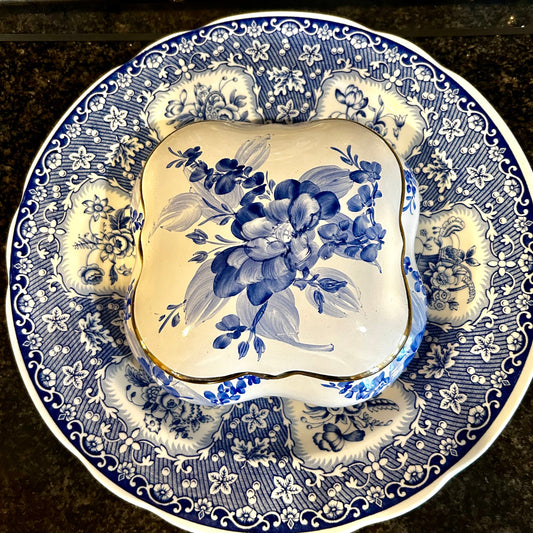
247 466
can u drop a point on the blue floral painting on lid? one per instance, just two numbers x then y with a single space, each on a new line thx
281 232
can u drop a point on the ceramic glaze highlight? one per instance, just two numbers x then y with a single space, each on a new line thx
274 255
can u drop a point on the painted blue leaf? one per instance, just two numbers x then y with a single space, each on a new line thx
228 323
259 347
220 238
221 342
243 349
137 377
120 220
348 159
281 320
201 303
175 320
181 212
370 253
113 276
225 184
349 147
212 206
451 226
318 298
340 302
330 178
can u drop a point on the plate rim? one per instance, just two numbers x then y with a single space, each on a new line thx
497 425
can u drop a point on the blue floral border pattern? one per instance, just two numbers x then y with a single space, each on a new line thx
72 340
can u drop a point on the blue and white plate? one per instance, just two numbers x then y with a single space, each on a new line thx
275 463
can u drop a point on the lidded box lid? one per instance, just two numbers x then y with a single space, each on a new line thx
271 250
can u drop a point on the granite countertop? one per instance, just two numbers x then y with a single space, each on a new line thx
50 53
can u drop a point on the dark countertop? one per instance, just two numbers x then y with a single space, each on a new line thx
51 53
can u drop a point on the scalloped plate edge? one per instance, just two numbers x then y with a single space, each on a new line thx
498 424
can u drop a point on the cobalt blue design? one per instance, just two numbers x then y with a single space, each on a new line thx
231 391
289 69
283 230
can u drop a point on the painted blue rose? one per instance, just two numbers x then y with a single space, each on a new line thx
278 241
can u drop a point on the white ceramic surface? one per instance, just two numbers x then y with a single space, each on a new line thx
276 251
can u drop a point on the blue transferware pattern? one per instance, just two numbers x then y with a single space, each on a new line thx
275 463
